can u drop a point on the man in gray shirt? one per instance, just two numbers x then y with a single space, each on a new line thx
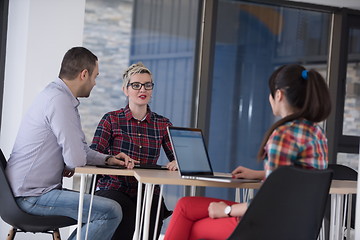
50 144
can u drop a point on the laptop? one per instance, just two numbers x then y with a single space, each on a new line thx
192 157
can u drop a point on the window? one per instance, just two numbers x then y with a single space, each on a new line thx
3 35
162 35
107 32
350 110
258 38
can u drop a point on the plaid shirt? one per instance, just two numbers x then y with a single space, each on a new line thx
119 131
300 143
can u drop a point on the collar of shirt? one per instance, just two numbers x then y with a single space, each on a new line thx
61 84
129 115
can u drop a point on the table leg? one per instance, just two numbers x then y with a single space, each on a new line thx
138 212
322 231
237 195
332 217
340 214
81 203
158 211
192 190
336 216
343 216
348 225
148 201
90 207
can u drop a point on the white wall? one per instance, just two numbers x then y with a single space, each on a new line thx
39 34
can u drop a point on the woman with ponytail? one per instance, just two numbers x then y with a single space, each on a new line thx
301 98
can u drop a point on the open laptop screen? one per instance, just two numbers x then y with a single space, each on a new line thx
190 151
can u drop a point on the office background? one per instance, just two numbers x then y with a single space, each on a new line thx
211 75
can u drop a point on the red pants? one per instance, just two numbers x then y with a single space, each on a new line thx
191 220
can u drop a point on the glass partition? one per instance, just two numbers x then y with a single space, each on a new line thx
351 124
107 33
256 40
162 35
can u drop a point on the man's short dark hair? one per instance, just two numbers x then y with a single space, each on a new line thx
76 60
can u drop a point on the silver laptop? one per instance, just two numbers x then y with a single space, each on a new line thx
192 156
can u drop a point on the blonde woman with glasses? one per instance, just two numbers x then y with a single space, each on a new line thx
138 132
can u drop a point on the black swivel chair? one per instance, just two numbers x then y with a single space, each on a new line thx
22 221
289 205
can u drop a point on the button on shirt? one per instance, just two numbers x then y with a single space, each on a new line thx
119 131
50 137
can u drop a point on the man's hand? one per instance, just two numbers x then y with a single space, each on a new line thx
123 160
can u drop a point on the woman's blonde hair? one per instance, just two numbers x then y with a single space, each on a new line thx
135 69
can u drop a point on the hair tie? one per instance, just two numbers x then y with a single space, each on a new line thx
304 74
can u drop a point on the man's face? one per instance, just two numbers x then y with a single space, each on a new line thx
89 82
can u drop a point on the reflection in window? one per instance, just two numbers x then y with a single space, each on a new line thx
351 124
348 159
258 38
107 31
163 37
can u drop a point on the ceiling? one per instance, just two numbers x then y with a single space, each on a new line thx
352 4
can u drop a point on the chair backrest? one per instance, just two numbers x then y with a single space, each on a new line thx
12 214
289 205
342 172
8 206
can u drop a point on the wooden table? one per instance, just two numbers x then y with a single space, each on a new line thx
341 195
340 191
161 177
83 171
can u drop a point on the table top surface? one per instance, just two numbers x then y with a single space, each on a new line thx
166 177
174 178
106 171
343 187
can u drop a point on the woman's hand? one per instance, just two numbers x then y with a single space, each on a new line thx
172 166
247 173
217 210
123 160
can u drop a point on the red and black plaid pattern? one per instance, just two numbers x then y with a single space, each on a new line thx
119 131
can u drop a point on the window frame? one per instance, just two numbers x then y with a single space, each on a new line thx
336 77
4 6
343 20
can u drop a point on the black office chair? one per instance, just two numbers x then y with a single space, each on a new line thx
22 221
341 172
289 205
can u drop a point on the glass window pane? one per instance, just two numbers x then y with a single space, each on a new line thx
107 32
348 159
162 35
164 38
351 124
257 39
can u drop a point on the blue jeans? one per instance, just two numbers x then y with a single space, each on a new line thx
106 214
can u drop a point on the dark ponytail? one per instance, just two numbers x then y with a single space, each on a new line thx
304 90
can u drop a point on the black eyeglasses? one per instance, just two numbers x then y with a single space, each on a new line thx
137 85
